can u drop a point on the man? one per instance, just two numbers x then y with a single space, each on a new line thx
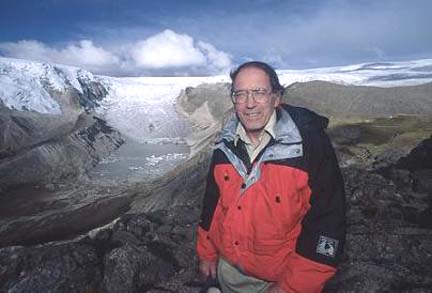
273 217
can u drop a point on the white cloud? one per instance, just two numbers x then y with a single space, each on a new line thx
26 49
215 59
89 55
166 53
83 54
167 49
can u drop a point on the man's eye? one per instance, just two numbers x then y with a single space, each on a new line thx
258 93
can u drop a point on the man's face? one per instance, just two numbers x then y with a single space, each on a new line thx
252 114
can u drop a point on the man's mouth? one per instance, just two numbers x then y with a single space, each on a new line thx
252 115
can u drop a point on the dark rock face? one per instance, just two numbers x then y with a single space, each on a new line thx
59 215
58 158
419 158
140 253
423 181
72 267
389 241
388 249
20 130
93 93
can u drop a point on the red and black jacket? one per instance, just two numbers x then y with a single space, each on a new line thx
280 218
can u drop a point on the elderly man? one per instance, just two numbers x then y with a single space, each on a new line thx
273 217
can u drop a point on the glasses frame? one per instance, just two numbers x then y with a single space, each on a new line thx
254 93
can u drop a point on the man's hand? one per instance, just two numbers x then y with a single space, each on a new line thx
274 288
208 269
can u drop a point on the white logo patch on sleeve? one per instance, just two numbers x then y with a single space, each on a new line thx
327 246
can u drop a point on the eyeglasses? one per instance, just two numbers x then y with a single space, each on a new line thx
259 95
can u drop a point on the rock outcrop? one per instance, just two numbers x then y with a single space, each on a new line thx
56 158
205 107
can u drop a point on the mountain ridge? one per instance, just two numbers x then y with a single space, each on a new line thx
335 99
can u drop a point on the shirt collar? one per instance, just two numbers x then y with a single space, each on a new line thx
269 128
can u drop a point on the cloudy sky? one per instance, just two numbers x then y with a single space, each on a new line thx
174 37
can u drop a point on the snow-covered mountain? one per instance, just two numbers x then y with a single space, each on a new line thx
42 87
27 85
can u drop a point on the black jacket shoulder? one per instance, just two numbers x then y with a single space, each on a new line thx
306 119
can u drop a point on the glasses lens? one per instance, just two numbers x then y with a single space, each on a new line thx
240 96
259 95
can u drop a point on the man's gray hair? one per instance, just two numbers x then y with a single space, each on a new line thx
276 87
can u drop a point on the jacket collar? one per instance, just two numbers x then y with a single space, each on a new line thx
286 131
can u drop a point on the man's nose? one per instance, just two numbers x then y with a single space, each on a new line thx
250 100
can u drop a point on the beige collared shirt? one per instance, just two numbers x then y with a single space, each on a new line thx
266 135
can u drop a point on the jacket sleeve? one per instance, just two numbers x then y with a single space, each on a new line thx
204 245
321 240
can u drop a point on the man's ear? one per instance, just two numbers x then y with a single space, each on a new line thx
277 99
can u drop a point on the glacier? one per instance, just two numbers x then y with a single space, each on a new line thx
144 108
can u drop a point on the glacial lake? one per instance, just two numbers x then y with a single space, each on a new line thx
136 162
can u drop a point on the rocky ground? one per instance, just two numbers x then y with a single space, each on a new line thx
389 240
